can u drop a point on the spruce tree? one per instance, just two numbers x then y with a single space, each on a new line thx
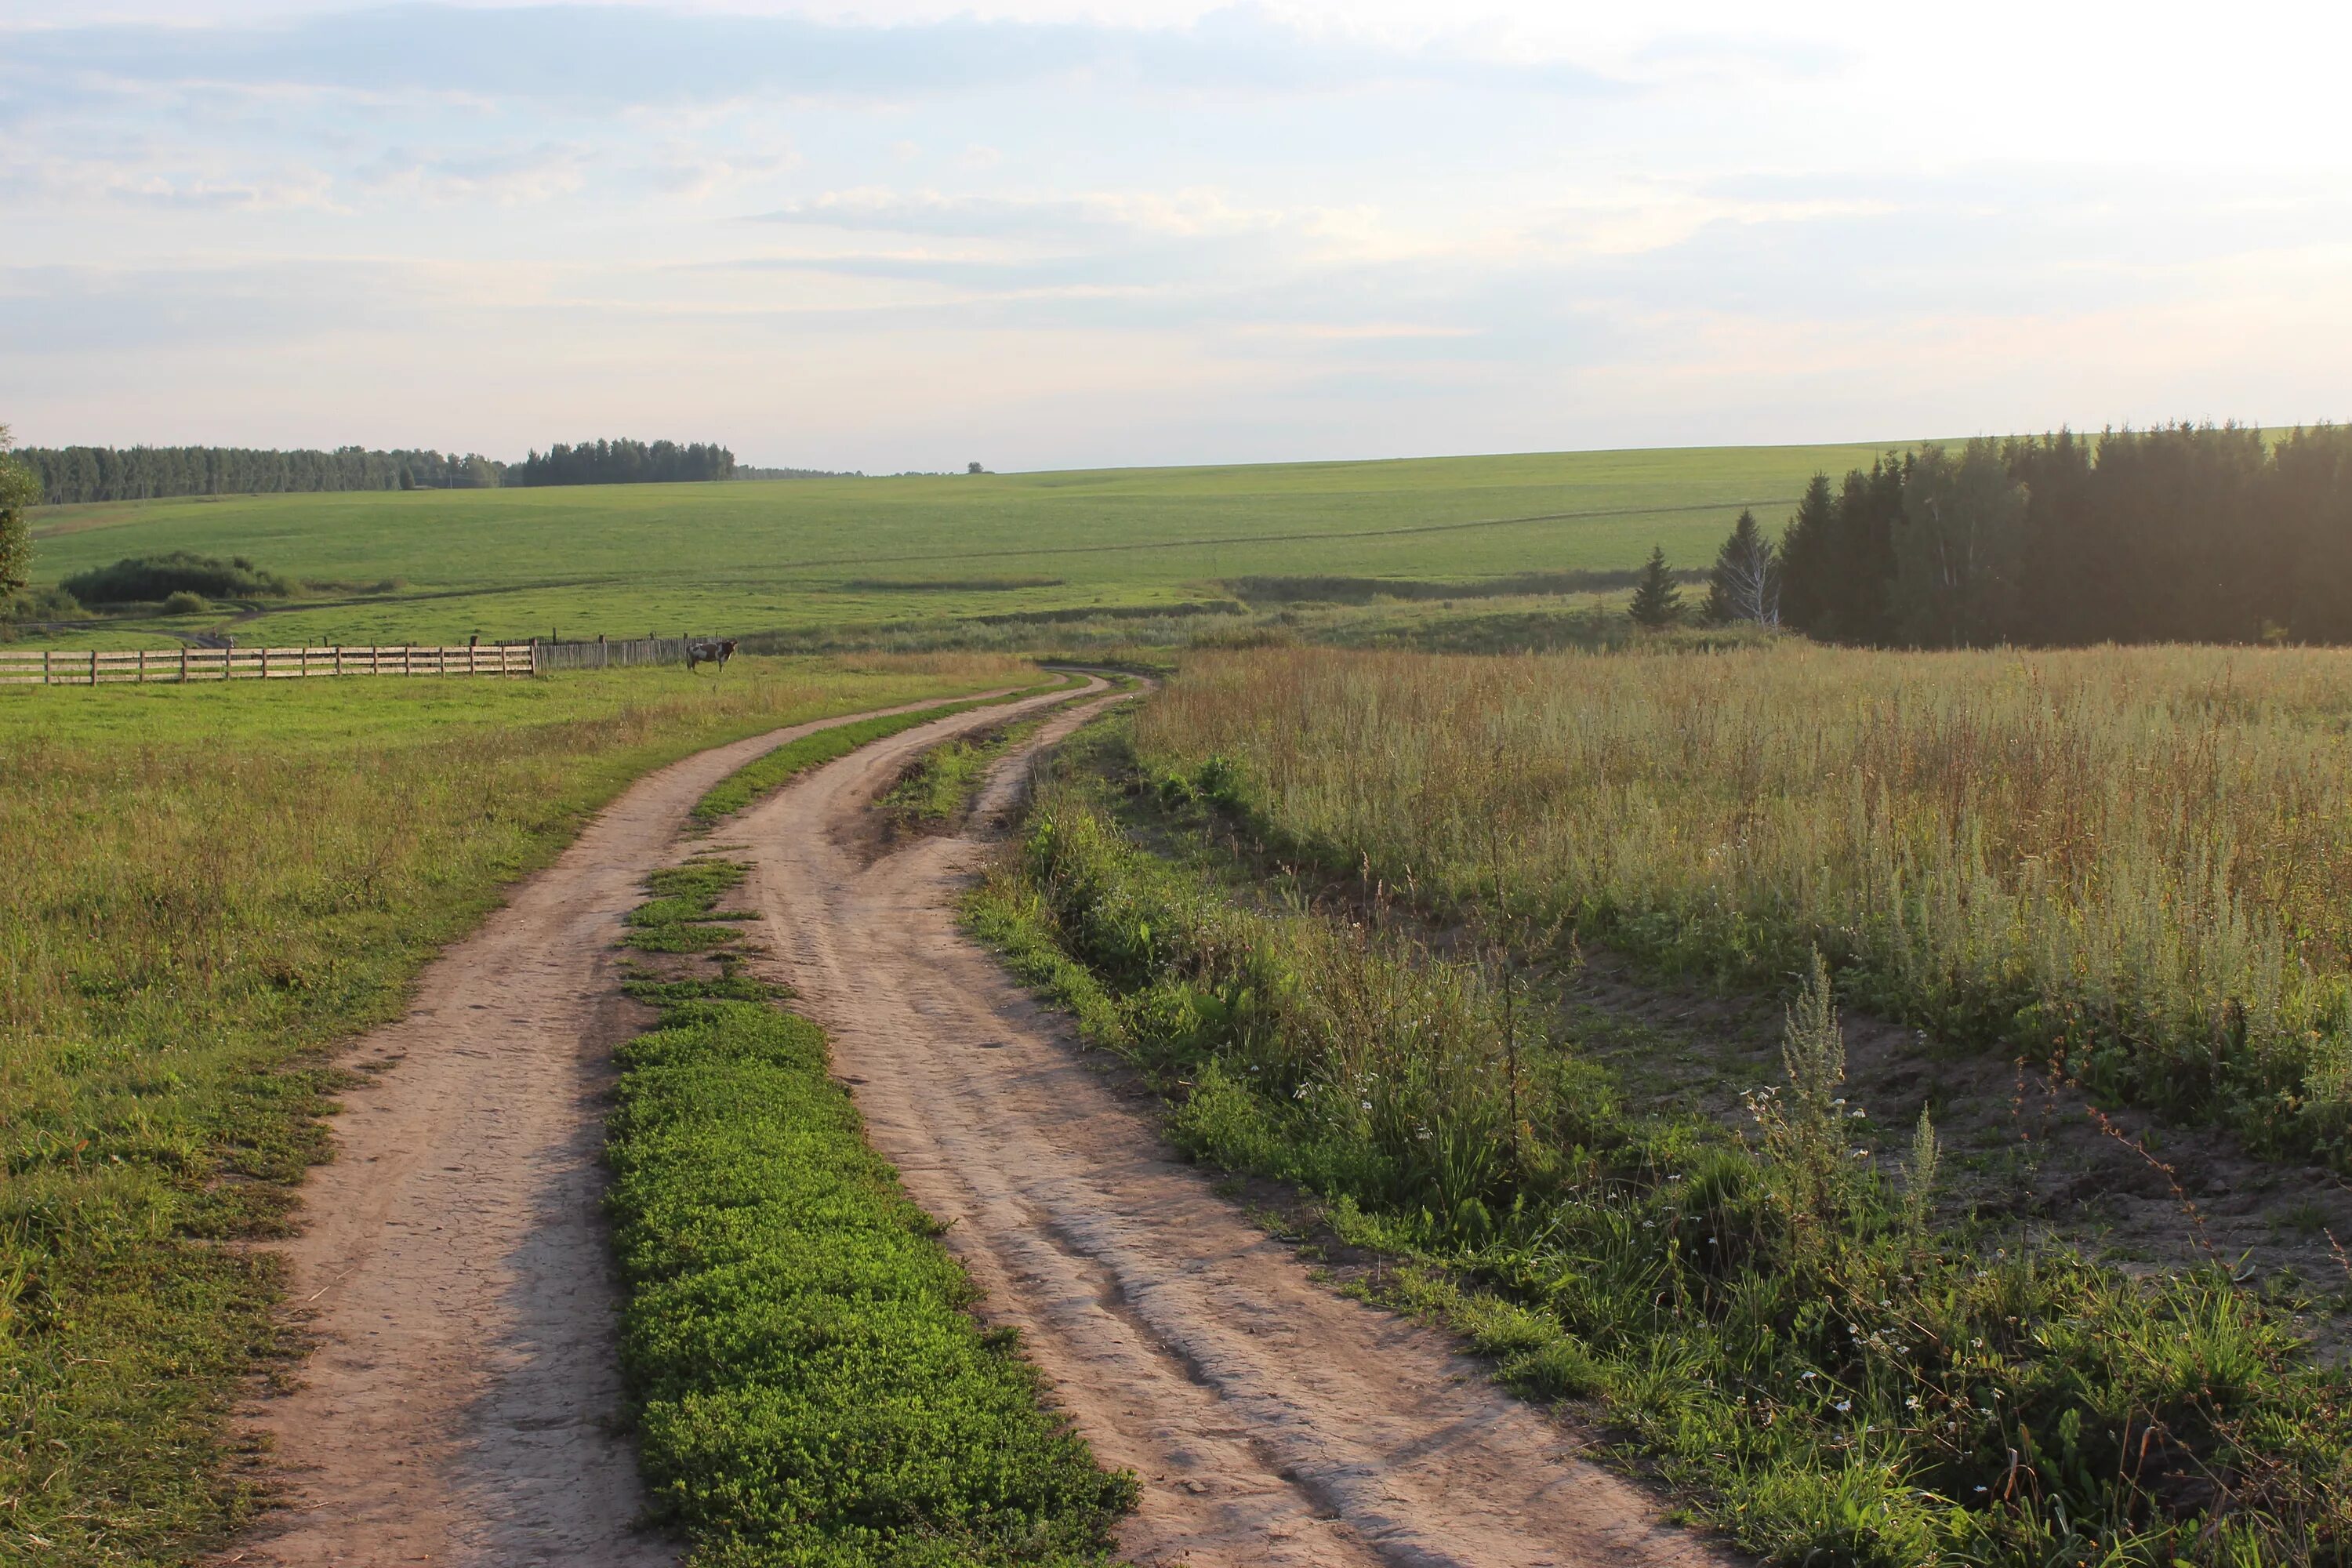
1657 601
1745 585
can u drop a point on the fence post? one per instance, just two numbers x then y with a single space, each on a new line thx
142 666
339 658
183 664
93 667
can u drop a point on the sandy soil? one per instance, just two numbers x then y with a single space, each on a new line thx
463 1403
1273 1421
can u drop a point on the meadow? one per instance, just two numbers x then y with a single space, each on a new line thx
208 888
1780 1321
806 557
2130 864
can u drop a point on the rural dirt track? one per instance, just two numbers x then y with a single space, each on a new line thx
462 1405
1272 1421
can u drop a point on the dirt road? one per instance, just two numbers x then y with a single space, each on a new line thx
462 1405
1273 1421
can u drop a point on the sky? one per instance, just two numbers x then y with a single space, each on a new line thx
886 235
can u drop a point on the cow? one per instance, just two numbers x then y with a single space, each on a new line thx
709 650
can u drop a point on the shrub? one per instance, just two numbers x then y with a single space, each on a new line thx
183 602
146 579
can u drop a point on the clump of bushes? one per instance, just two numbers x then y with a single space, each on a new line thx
49 604
149 579
186 603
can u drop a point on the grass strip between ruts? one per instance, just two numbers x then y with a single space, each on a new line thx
773 771
808 1386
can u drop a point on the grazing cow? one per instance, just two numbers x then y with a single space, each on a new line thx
709 651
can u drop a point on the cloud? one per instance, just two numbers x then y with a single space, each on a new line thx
602 57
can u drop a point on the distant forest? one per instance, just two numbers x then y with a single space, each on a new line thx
147 473
2187 534
746 472
624 463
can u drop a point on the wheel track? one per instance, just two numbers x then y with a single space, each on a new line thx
463 1401
1272 1421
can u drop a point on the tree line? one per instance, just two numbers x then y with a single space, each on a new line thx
149 473
2182 534
66 474
623 462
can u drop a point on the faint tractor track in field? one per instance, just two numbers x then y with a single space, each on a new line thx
463 1402
1271 1420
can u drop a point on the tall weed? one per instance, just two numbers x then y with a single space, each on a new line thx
2132 862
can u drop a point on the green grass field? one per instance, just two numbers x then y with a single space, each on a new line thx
796 555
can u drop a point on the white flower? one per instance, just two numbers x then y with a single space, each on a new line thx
1844 1406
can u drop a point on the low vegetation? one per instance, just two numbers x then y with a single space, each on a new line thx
768 773
1785 1329
152 579
808 1383
2131 865
938 788
207 888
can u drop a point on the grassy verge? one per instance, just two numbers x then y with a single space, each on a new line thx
777 768
808 1384
1777 1321
206 888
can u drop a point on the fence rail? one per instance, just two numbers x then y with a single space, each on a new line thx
76 666
604 655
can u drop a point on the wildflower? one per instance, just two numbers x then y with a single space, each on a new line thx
1806 1373
1844 1406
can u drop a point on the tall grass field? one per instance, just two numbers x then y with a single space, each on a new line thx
205 888
1778 1320
2134 863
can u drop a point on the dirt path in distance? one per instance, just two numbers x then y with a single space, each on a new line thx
1272 1421
463 1403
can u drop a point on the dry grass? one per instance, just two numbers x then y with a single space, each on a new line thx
2136 861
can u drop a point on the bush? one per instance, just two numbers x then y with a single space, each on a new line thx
186 603
49 604
149 578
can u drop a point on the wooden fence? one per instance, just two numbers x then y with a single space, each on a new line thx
604 655
76 666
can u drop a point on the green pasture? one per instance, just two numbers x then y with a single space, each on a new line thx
797 555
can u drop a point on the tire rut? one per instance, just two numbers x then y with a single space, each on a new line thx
1271 1420
462 1404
